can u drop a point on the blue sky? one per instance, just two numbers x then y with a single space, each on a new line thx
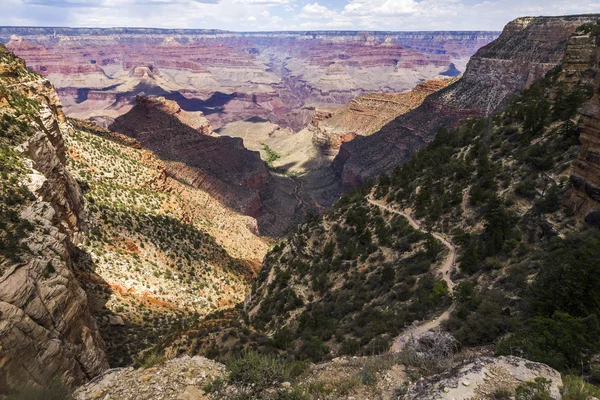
257 15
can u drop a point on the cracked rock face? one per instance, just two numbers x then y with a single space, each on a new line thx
46 329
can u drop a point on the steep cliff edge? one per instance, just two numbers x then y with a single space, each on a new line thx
524 52
46 329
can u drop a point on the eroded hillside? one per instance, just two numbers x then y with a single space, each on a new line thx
160 253
102 252
491 187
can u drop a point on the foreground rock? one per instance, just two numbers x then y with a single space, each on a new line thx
177 379
481 378
341 378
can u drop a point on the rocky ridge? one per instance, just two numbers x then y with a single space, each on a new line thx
365 115
524 52
361 276
102 252
46 328
186 378
160 253
177 379
484 377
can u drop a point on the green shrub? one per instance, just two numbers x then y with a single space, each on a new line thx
262 370
575 388
272 156
374 365
539 389
294 393
563 342
501 394
150 358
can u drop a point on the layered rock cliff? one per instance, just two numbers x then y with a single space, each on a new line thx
46 330
524 52
584 196
220 165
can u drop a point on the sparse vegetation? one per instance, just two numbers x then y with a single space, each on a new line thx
271 156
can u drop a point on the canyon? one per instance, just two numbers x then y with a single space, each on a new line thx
231 76
181 209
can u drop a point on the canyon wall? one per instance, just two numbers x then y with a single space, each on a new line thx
46 329
365 115
524 52
584 195
232 76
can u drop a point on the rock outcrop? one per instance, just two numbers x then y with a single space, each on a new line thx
220 165
46 329
176 379
481 378
365 115
524 52
235 76
184 379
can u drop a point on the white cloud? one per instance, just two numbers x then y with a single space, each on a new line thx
286 14
317 11
262 2
379 7
314 9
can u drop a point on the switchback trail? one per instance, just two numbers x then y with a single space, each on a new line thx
444 270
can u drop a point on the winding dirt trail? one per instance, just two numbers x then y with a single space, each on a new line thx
444 270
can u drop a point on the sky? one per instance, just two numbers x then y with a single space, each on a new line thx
265 15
